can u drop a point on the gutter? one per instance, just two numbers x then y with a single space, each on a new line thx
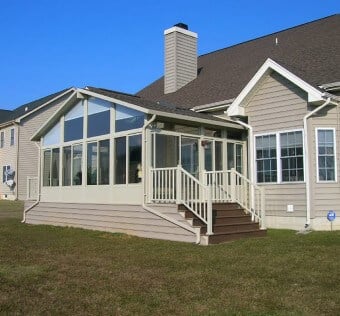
306 160
144 184
39 187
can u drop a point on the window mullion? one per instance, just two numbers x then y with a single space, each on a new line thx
278 158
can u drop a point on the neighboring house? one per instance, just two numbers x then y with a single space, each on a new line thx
253 126
18 155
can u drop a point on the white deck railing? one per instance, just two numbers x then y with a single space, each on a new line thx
176 185
231 186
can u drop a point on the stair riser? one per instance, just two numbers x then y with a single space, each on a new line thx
216 239
233 220
218 213
232 228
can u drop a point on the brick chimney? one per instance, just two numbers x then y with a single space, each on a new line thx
180 57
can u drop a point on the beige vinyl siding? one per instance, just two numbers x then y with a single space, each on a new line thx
8 156
180 60
278 105
28 151
130 219
325 195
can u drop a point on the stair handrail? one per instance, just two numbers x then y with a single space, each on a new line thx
200 205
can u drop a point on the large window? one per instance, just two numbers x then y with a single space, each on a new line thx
128 159
279 157
52 137
98 162
72 165
51 167
73 126
98 117
127 119
326 155
266 165
291 156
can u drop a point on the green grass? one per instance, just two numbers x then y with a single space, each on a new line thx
66 271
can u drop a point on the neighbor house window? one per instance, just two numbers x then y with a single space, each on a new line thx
74 122
266 164
98 162
127 119
12 137
326 154
51 167
5 176
2 139
279 157
98 117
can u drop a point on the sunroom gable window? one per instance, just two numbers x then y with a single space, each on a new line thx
74 121
52 137
98 117
127 119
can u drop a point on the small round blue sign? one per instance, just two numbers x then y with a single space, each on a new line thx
331 216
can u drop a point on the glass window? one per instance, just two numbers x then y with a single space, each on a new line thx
77 159
73 128
208 151
55 167
5 176
239 166
326 154
189 155
2 139
104 162
291 156
166 151
52 137
266 165
98 117
218 156
67 153
12 136
47 168
127 118
135 159
92 157
120 160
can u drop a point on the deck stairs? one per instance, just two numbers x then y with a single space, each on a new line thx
230 222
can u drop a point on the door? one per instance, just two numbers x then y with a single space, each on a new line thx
189 155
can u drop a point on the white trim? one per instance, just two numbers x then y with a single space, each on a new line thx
317 155
238 107
180 30
278 157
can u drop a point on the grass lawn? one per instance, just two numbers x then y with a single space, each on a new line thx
52 270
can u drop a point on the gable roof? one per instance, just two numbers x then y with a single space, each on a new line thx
30 107
137 103
310 51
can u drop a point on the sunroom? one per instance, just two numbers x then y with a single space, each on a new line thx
105 147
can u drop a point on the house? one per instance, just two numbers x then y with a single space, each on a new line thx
241 139
18 155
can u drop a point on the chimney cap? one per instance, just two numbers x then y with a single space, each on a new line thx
182 25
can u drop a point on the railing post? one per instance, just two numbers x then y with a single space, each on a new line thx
263 209
233 184
209 211
178 185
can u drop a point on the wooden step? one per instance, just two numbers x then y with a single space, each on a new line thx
233 219
232 228
226 206
230 212
226 237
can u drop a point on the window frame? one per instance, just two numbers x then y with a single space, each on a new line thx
278 157
2 139
317 129
12 137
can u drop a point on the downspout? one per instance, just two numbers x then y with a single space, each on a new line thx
39 186
144 184
17 161
306 160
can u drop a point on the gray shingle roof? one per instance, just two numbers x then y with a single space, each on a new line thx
6 116
154 106
310 51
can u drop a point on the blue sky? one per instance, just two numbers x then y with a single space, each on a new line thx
47 46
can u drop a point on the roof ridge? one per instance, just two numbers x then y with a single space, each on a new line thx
270 34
